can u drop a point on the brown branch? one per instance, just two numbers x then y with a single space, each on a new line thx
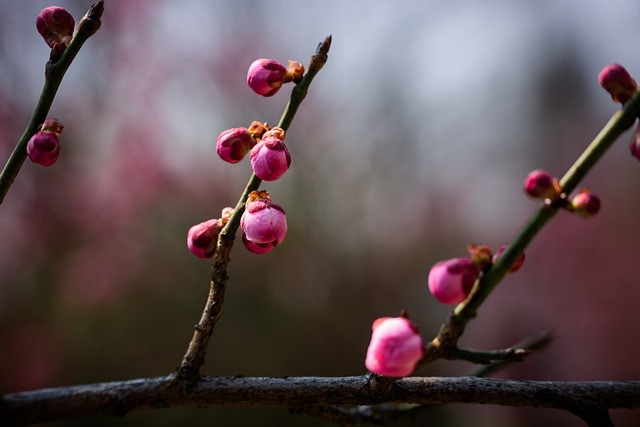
193 358
589 399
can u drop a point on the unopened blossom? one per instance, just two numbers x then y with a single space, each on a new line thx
585 204
202 238
395 347
451 281
263 221
615 79
233 144
266 76
258 248
270 157
55 25
43 147
541 185
516 265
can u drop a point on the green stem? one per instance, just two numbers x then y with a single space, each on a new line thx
54 72
445 344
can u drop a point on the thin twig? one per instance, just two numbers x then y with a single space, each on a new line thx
587 399
193 359
445 344
54 72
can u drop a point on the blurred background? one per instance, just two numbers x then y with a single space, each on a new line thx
413 142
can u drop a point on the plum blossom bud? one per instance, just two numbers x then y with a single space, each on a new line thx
55 25
44 147
233 144
202 238
258 248
635 143
516 265
395 347
263 221
266 76
585 204
270 158
615 79
541 185
452 280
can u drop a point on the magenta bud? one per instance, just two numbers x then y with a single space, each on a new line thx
270 157
585 204
266 76
395 347
233 144
257 248
263 221
451 281
635 143
55 25
43 148
615 79
541 185
202 238
516 265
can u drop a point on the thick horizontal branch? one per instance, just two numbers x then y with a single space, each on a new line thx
295 393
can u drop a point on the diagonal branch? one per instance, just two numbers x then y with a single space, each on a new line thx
590 400
54 72
193 359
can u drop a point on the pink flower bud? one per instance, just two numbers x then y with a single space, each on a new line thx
55 25
43 148
585 204
263 221
270 158
265 76
258 248
233 144
451 281
635 143
617 81
202 238
541 185
516 265
395 348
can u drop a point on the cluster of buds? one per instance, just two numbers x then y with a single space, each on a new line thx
395 347
451 281
542 185
270 157
55 24
44 146
202 238
266 76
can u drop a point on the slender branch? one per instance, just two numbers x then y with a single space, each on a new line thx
445 344
193 359
54 72
585 399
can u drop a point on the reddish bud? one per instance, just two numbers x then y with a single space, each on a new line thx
451 281
395 347
585 204
202 238
616 80
516 265
233 144
257 248
541 185
266 76
270 158
263 221
55 25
